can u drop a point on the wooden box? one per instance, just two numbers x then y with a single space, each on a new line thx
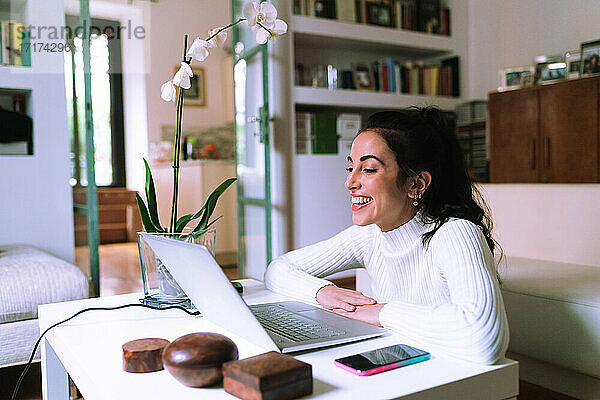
268 376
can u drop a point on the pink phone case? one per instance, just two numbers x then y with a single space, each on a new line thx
373 371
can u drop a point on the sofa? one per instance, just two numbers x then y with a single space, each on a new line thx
553 311
30 277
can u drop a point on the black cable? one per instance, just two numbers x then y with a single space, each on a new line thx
14 395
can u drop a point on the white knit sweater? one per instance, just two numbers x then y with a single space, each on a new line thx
443 298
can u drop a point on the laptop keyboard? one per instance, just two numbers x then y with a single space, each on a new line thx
291 326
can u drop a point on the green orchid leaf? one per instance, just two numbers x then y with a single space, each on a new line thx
151 197
201 232
213 221
148 224
183 221
211 203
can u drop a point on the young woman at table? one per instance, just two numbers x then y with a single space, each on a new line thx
420 234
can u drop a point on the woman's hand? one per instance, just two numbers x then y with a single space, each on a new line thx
332 297
367 313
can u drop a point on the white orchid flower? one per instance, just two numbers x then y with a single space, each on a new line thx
199 49
278 29
219 39
168 91
182 77
264 14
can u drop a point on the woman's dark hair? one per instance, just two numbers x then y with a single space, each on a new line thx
422 139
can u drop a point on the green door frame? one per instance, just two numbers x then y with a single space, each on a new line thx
264 128
91 208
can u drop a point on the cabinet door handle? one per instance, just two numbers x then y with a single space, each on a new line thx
547 150
532 153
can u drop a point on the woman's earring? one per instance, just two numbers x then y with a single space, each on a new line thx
417 198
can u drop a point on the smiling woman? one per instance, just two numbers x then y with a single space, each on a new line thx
422 236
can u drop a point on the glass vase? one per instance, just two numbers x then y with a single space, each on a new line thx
160 288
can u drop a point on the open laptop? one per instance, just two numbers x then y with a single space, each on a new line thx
287 326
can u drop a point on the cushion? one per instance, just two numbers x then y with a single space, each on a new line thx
31 277
553 312
18 339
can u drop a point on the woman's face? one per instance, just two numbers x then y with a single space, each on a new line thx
373 184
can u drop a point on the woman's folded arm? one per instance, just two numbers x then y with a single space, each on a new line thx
300 273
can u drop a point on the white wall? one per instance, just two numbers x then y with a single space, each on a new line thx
35 196
546 221
507 33
171 20
550 222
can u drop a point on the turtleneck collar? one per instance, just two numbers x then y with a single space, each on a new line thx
407 234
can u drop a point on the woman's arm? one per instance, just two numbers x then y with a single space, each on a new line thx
300 273
473 326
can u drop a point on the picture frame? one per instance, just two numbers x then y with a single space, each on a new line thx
550 69
590 58
195 96
363 77
573 61
516 77
380 14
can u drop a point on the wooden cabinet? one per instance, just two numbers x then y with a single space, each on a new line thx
514 121
546 133
118 216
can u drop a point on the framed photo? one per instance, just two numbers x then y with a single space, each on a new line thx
590 58
378 13
550 69
516 77
363 77
195 96
573 61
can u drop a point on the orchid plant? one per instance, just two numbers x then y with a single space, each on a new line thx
262 19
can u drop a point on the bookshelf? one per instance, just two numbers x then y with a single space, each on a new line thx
313 30
310 202
367 99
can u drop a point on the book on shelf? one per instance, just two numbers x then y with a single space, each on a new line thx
409 14
300 7
324 133
361 11
445 22
452 76
431 80
376 75
17 44
345 10
15 41
384 79
303 132
310 7
26 49
398 14
5 27
391 75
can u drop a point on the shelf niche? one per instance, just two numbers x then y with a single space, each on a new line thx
16 137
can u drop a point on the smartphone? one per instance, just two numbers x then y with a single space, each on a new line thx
381 360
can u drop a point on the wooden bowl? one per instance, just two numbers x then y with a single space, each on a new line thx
196 359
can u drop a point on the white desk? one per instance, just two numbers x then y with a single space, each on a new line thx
89 349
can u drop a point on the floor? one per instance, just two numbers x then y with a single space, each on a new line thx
120 273
120 270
